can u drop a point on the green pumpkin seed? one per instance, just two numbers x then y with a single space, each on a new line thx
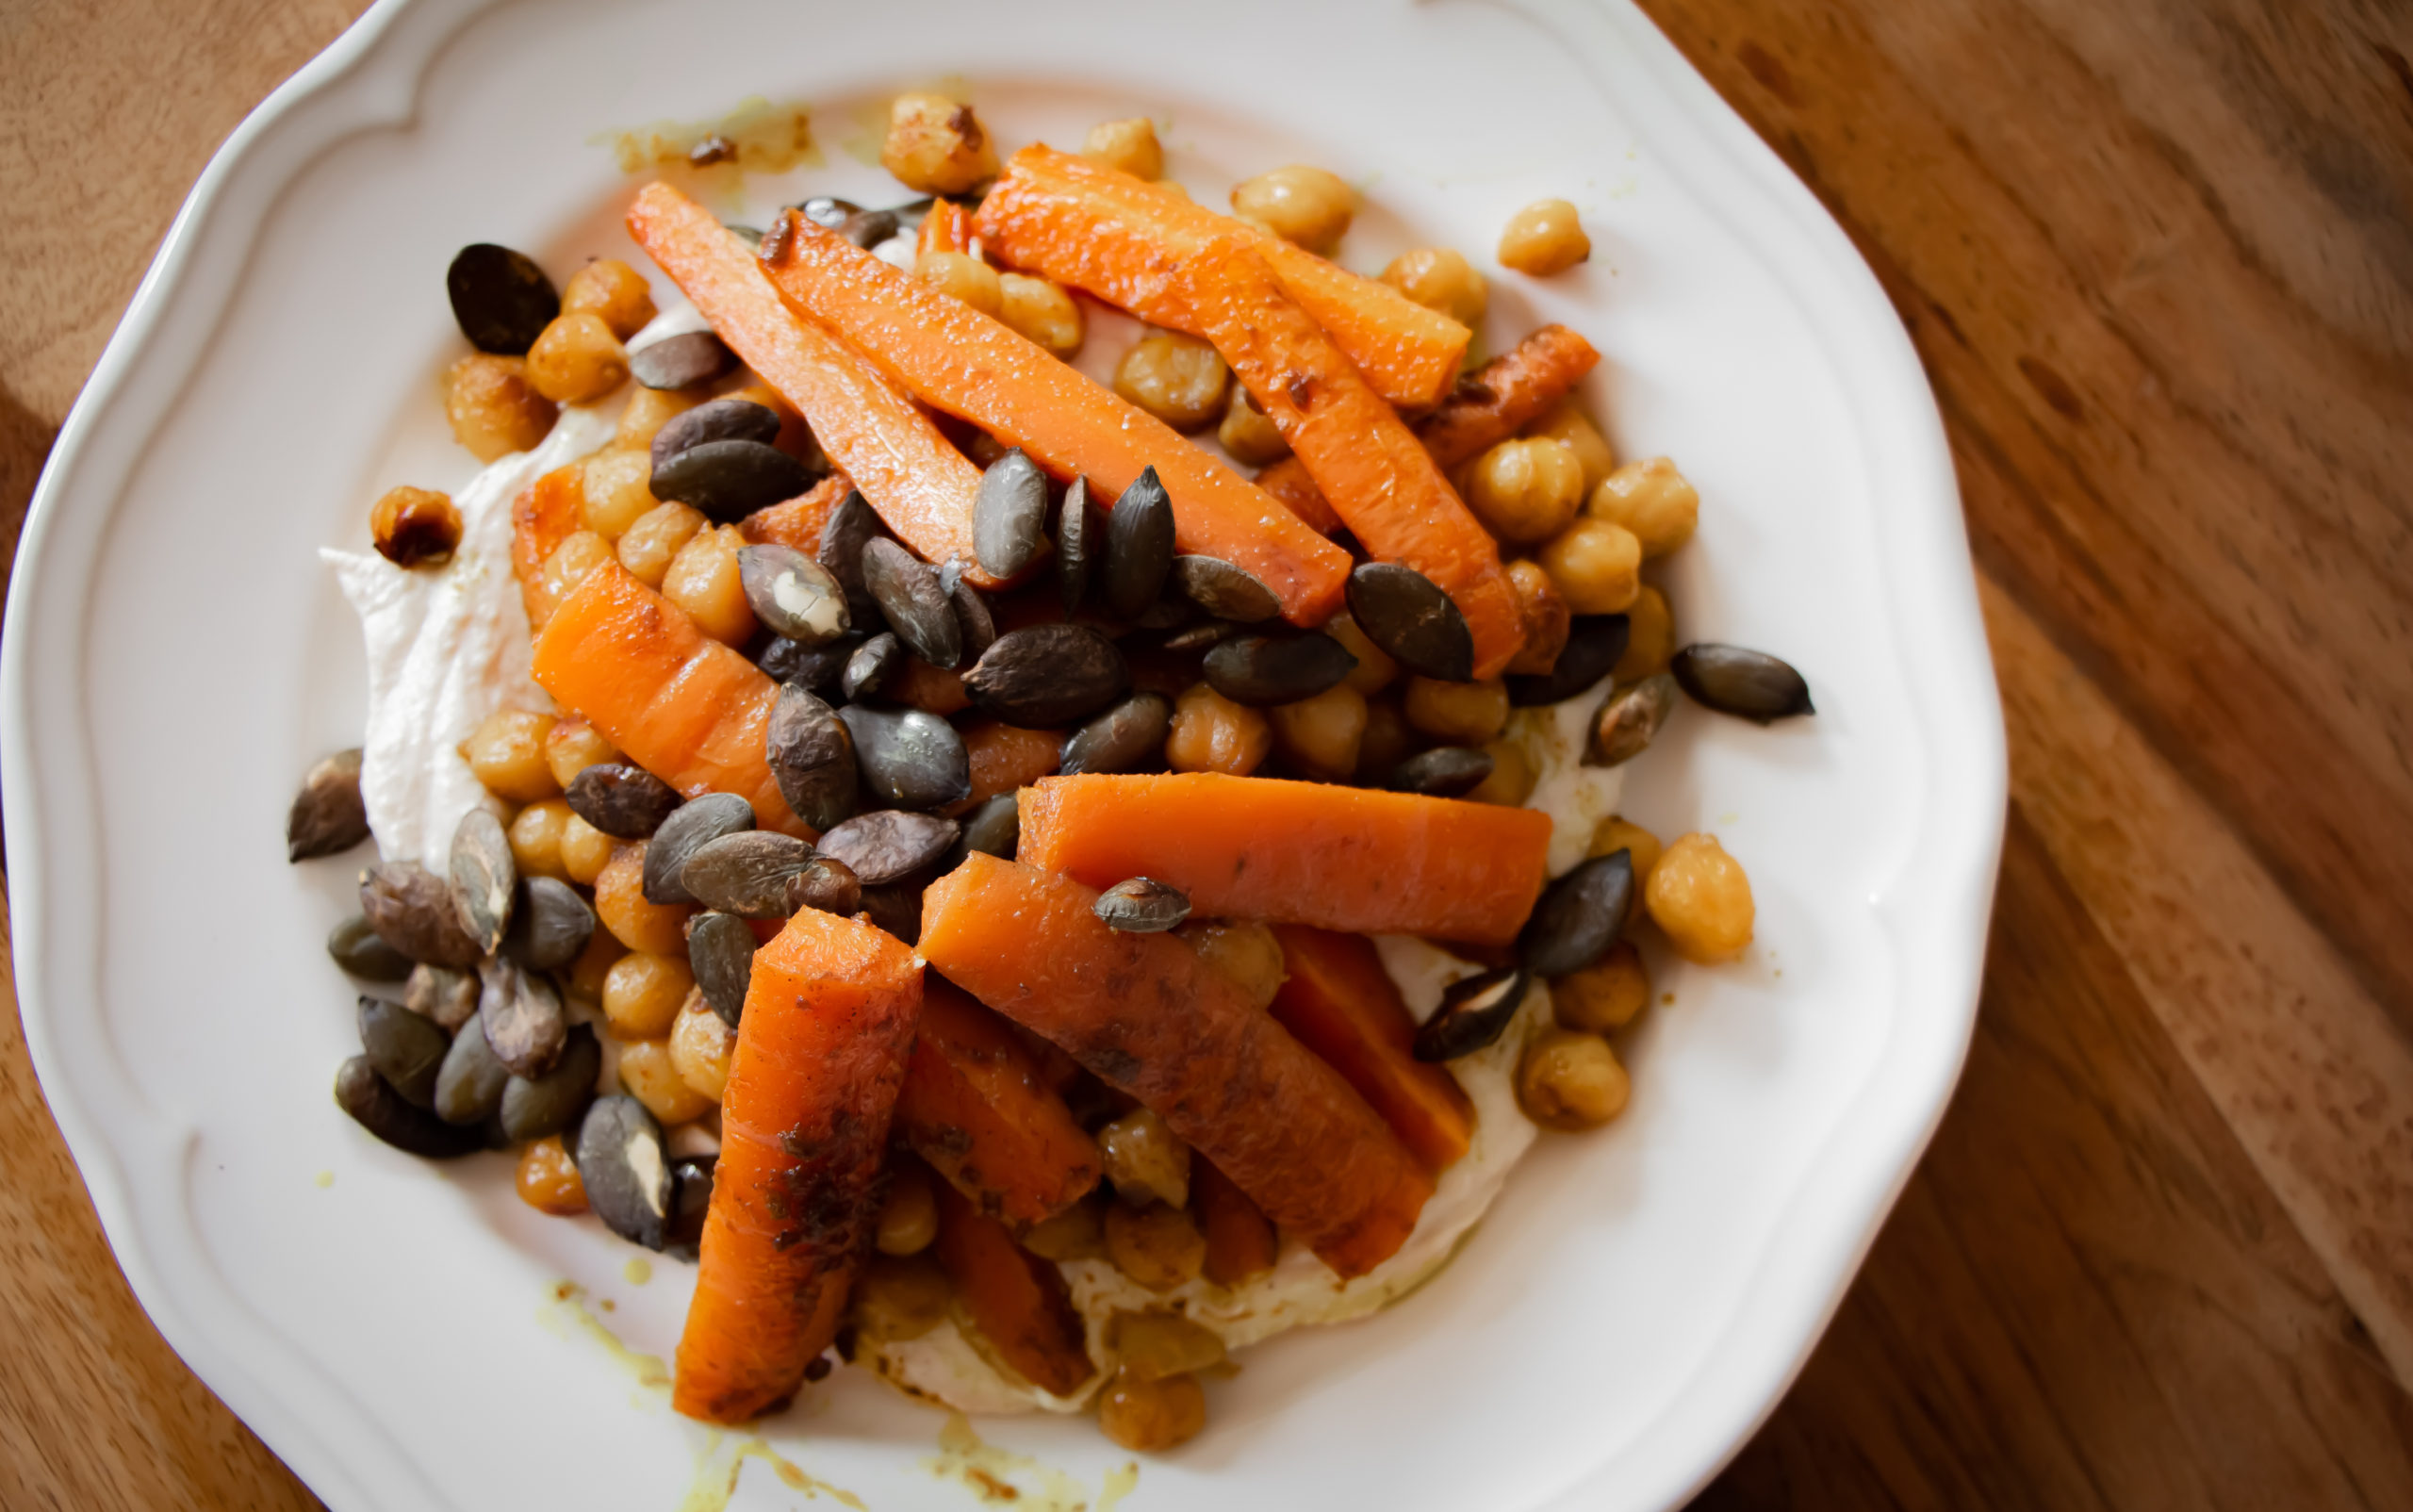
376 1107
550 925
533 1107
1412 619
405 1048
363 952
1748 684
695 824
468 1086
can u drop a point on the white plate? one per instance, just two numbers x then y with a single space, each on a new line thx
175 657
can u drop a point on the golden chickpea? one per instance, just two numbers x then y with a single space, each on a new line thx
1212 733
1319 735
936 146
703 580
493 409
1147 1162
1542 610
1248 433
1524 490
1544 238
585 852
1570 1081
658 929
1148 1417
701 1045
415 527
506 752
613 290
1650 499
1306 206
1512 778
1617 832
1078 1233
1650 636
897 1298
1701 900
1375 671
1158 1247
580 553
548 1181
572 746
1568 423
577 359
1605 995
1178 379
646 412
962 275
1129 146
1441 278
1040 311
613 495
643 992
593 963
646 1071
1597 565
656 539
1153 1345
1243 950
1461 713
1388 741
909 1218
536 839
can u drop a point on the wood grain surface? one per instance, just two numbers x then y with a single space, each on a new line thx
2159 259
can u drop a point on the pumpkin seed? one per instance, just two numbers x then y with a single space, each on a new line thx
868 228
626 1170
909 759
889 844
745 874
691 1198
974 624
720 952
1141 906
550 925
468 1086
412 911
363 952
622 799
534 1106
1262 670
681 361
993 829
501 299
810 756
729 480
897 909
1138 547
1047 676
1594 643
484 879
723 419
692 827
1473 1013
817 668
907 590
1416 624
1629 718
405 1048
826 211
874 663
826 883
521 1016
850 527
1225 591
1080 539
794 596
1010 515
1445 772
1200 636
445 998
1125 738
1748 684
384 1112
327 814
1578 916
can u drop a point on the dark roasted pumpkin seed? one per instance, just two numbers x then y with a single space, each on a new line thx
1225 591
1142 905
907 590
1746 684
405 1048
1010 515
1628 720
468 1086
522 1015
850 527
1262 670
1200 636
868 228
681 361
1080 540
626 1170
993 829
1445 772
720 952
1594 643
327 814
826 211
484 879
817 668
384 1112
794 596
889 844
874 663
622 799
501 299
534 1106
1579 917
909 759
1473 1013
695 824
974 625
444 996
826 883
550 925
1044 677
897 909
363 952
411 909
1412 619
745 874
723 419
691 1198
1138 547
811 757
1125 738
729 480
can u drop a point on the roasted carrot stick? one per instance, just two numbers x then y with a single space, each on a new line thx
1241 1244
947 228
1364 459
797 523
1118 236
912 476
820 1053
1146 1014
1288 481
1018 1302
680 704
951 356
1004 757
978 1107
1343 1005
1259 847
544 514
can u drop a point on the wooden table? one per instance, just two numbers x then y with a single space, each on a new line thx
2159 263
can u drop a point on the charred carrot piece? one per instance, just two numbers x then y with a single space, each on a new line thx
1241 1244
949 354
797 523
1343 1005
909 474
679 703
1257 848
546 514
1146 1014
820 1054
976 1106
1118 236
947 228
1365 462
1018 1302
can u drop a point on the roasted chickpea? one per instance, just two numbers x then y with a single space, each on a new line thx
936 146
580 553
613 290
1526 490
1701 900
585 852
1319 736
1512 778
1569 1080
577 359
1375 671
1569 424
548 1181
909 1219
658 929
1129 146
1650 636
1178 379
593 963
506 753
1212 733
646 1071
1605 995
1147 1162
701 1045
962 275
415 527
656 539
1650 499
1388 741
1542 609
1545 237
536 839
614 493
1040 311
1617 832
1158 1247
899 1298
1243 950
493 408
1248 433
646 412
1148 1417
1078 1233
1441 278
1154 1345
703 580
643 992
573 745
1308 206
1597 565
1460 713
